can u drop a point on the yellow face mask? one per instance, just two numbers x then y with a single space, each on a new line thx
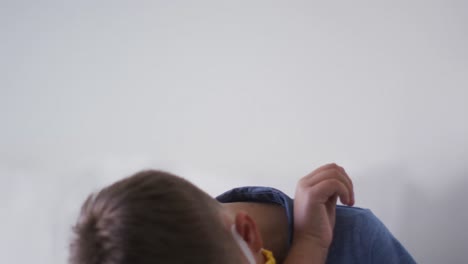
269 258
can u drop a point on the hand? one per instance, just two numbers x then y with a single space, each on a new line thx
315 203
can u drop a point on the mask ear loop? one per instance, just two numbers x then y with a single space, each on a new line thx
243 245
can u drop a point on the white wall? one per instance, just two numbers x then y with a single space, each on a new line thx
230 93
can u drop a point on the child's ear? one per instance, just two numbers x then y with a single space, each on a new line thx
247 228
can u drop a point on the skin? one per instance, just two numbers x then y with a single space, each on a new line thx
271 222
314 218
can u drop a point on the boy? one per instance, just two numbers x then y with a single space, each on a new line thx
156 217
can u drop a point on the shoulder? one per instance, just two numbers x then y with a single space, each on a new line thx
360 236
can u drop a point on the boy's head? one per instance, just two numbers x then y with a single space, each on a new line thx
156 217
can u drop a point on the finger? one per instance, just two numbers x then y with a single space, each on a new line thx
334 173
330 166
349 180
334 166
343 171
324 167
325 174
326 189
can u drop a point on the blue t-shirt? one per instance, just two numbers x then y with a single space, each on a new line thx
359 236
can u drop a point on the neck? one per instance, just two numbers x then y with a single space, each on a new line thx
272 222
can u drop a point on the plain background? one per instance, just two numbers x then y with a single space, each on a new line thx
234 93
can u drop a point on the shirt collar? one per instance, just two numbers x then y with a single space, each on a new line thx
263 195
